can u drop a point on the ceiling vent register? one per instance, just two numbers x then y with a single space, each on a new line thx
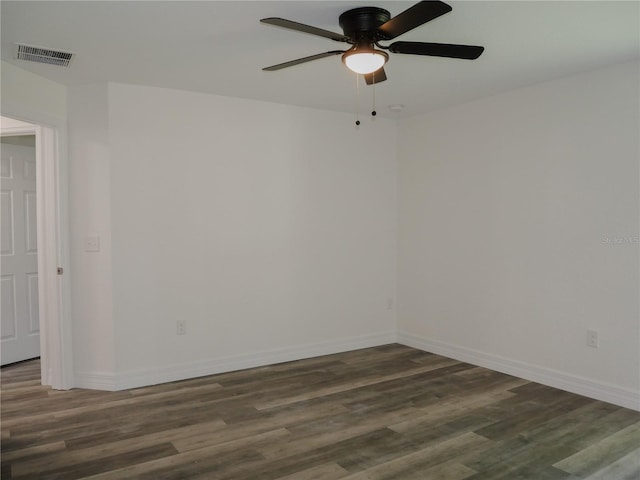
43 55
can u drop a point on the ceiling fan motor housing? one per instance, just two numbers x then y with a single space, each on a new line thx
362 23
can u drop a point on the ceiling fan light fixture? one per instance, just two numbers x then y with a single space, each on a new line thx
364 61
365 27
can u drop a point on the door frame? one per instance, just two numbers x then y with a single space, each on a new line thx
53 244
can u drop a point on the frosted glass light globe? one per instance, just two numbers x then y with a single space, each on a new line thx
364 62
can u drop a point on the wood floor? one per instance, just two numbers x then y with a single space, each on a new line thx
389 412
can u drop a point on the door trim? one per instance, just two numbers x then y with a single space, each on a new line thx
53 246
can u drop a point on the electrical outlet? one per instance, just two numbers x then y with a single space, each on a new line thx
592 338
181 327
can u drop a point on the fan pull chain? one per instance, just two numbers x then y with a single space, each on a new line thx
357 100
373 111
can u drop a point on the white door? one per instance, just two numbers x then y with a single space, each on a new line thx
20 326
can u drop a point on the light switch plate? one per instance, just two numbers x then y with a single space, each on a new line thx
92 243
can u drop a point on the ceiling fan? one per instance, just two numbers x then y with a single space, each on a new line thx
365 27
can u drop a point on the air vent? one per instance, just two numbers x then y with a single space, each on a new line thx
43 55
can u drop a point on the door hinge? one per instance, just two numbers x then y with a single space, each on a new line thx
60 271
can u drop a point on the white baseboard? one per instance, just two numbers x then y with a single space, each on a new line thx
572 383
153 376
95 381
554 378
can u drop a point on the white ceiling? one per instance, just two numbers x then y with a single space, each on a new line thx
220 47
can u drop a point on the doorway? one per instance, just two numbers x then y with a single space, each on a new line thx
51 245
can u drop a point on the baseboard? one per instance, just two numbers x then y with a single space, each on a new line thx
554 378
95 381
153 376
572 383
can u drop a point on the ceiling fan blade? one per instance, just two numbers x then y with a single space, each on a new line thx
301 27
466 52
302 60
375 77
419 14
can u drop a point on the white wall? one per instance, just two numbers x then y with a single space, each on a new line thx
24 93
90 215
505 208
270 229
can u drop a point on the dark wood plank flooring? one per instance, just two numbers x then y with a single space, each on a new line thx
389 412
